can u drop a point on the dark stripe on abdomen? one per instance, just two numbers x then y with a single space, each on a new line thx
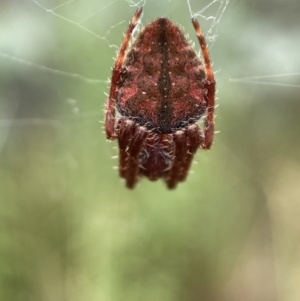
164 109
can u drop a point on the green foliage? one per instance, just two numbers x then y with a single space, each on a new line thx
70 230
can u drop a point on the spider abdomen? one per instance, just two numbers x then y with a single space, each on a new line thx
162 80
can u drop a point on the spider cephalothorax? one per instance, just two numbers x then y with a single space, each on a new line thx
159 90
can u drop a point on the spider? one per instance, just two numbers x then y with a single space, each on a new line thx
159 91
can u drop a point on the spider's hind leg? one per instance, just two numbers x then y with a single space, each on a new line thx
210 85
116 74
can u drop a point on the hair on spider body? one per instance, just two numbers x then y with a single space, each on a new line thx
159 91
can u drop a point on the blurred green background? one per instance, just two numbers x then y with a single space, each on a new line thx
70 230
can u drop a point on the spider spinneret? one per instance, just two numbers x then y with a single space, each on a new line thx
159 91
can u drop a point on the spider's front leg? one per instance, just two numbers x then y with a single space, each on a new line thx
134 150
180 145
131 140
116 74
125 129
110 120
186 144
195 138
208 134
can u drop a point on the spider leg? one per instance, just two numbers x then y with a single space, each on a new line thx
180 141
125 130
116 73
157 156
195 138
134 150
210 86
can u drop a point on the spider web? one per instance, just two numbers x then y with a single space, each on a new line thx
290 79
100 23
78 25
22 46
211 11
41 50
